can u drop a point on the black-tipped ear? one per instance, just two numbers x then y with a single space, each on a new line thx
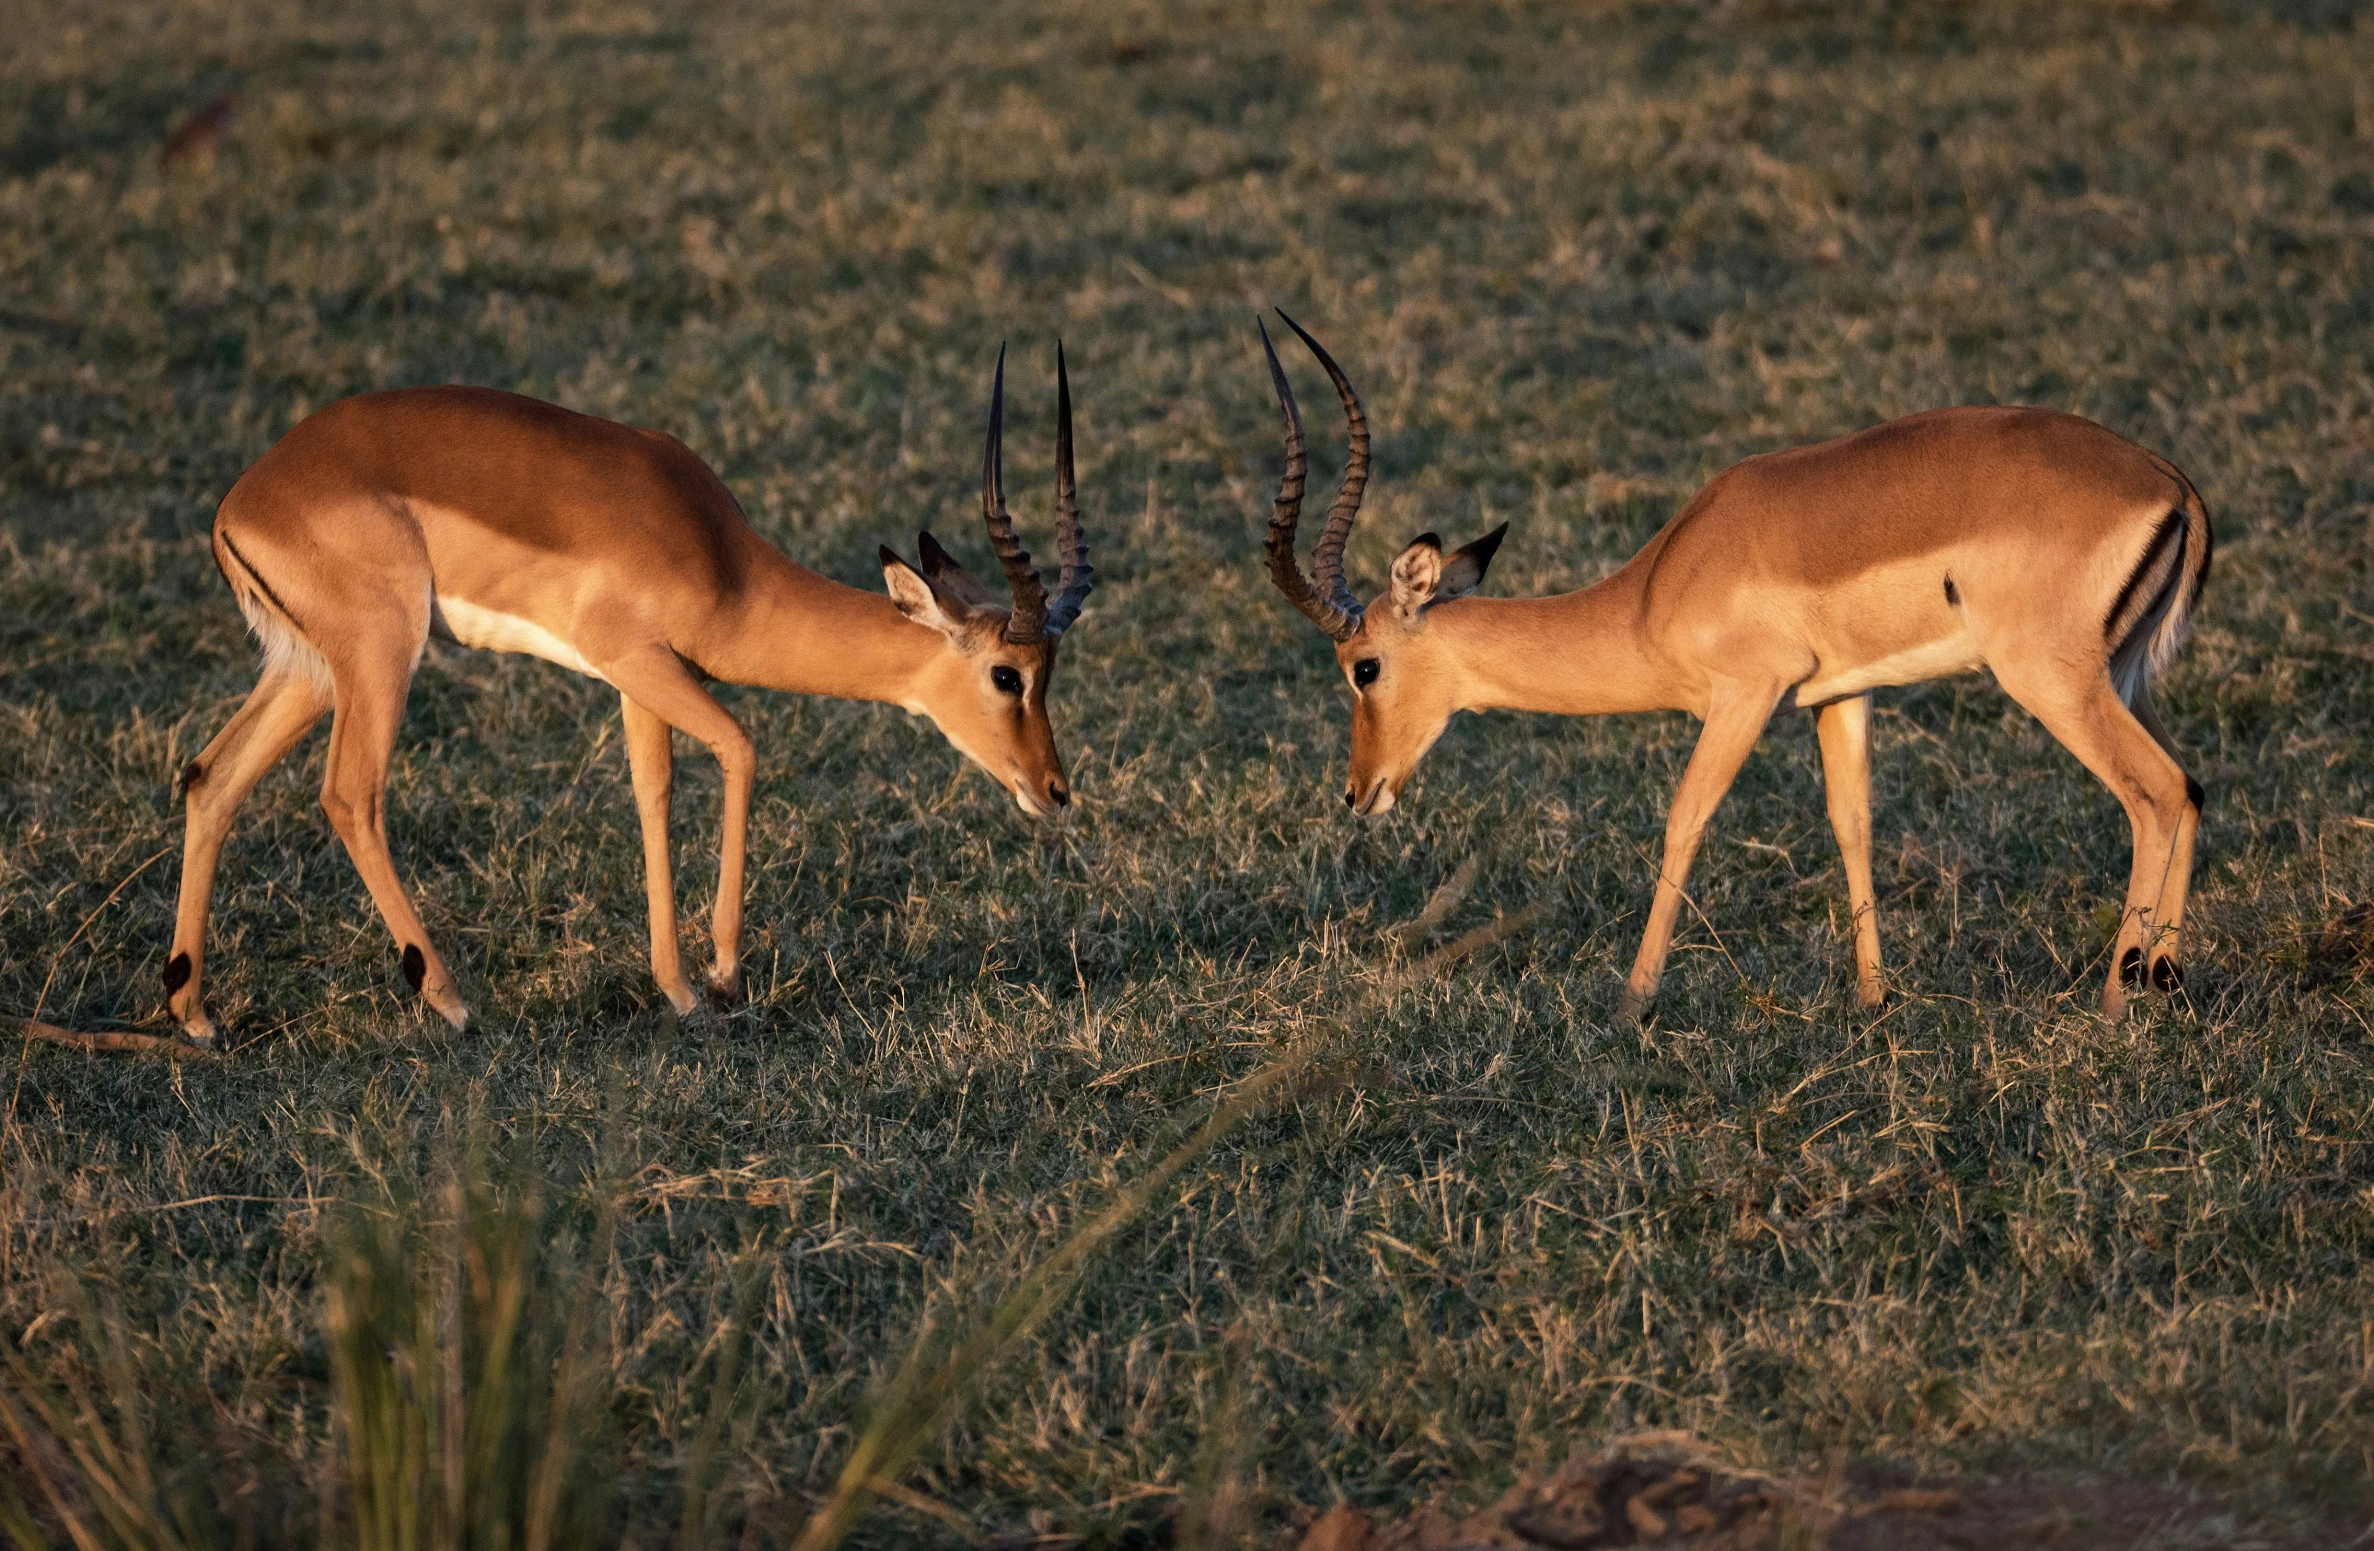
908 589
1463 569
954 585
922 599
1417 570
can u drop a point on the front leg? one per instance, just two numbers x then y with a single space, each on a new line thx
1844 730
651 760
659 682
737 761
1735 719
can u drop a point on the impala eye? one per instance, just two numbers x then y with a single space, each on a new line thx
1006 679
1365 671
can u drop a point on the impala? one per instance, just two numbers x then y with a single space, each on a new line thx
2043 547
512 525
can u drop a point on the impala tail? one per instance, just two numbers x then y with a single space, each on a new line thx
2152 616
287 651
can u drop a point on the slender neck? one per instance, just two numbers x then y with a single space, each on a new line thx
1577 654
791 629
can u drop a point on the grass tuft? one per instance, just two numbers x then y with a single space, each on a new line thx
465 1363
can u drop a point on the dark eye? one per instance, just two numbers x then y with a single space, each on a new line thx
1364 672
1006 679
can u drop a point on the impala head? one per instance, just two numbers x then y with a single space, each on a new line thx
986 690
1406 682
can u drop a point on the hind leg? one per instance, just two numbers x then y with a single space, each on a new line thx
651 763
372 685
279 711
2095 725
2166 970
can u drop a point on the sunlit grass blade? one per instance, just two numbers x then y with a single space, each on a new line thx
461 1376
33 1431
730 1413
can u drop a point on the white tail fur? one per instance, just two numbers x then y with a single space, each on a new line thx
2158 633
285 648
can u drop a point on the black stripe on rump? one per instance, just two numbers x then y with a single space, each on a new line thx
2136 603
257 577
2208 552
2191 502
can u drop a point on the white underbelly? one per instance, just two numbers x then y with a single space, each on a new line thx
1955 653
488 630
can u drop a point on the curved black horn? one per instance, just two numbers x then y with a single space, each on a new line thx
1327 559
1029 619
1336 611
1071 540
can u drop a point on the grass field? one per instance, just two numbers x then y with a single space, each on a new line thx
1579 258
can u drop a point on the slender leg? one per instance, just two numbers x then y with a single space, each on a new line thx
280 710
2096 726
372 685
658 681
1844 730
2167 971
1734 721
651 758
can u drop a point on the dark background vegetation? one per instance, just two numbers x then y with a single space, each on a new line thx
1579 258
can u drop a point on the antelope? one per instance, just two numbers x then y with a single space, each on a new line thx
511 525
2038 545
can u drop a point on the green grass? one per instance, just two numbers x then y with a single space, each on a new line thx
1578 258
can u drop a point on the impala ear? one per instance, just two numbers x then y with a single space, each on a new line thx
1463 570
1417 572
916 599
1425 576
952 582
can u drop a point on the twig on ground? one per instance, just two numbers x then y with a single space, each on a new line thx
167 1046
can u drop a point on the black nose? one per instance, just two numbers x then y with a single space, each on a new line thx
1059 794
1351 798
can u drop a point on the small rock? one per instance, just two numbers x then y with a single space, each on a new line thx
1429 1529
1565 1516
200 133
1647 1520
1341 1528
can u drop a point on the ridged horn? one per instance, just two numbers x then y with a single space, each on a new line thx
1324 596
1029 620
1071 540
